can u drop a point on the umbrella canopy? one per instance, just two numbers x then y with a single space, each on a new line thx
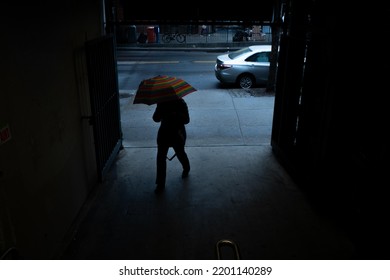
161 88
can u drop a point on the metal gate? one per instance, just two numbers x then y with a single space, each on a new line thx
104 97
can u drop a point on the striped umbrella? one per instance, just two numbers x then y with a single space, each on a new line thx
161 88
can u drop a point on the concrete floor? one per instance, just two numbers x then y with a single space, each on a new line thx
236 190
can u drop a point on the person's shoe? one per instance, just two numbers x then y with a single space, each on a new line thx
185 173
159 189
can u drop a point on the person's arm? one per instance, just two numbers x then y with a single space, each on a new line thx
157 115
184 115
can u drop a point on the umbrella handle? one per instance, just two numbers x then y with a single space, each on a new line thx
171 158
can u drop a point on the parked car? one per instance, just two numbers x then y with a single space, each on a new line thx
246 67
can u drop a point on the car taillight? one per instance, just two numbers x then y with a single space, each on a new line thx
224 66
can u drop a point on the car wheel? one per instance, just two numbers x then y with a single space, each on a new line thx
245 81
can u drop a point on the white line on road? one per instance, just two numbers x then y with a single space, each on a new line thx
146 62
160 62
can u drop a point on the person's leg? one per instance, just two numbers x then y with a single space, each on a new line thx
183 158
162 152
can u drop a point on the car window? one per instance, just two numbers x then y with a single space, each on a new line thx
263 57
259 57
239 52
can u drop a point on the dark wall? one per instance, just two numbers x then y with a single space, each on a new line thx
331 117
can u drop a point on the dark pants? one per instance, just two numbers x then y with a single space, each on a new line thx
162 152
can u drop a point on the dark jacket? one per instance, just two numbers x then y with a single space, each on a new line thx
173 116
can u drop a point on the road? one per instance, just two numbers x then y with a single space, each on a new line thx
197 68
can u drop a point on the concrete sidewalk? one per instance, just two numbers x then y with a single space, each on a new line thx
218 117
236 190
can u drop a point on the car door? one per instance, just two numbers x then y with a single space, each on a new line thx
259 66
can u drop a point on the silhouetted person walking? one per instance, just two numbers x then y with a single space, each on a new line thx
173 116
